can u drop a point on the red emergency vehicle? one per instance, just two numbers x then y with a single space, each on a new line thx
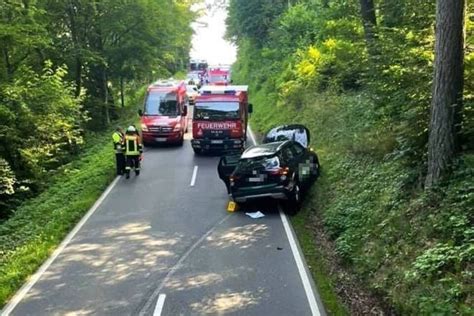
218 77
164 114
220 119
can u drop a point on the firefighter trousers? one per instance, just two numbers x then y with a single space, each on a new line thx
120 163
133 162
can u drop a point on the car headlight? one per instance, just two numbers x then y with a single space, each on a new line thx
177 128
144 128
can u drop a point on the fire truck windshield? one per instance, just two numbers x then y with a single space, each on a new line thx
216 111
217 78
198 66
160 104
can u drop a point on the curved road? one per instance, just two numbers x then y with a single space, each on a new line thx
163 244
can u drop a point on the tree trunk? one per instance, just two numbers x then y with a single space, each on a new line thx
106 97
448 83
369 21
8 65
122 96
78 78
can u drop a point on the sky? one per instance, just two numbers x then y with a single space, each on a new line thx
208 41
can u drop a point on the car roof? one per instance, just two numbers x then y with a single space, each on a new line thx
262 150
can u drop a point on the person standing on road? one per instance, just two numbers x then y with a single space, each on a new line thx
118 139
133 150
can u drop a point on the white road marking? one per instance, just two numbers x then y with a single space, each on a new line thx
313 304
305 279
159 305
175 268
193 178
32 281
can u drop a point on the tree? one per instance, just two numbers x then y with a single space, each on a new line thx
446 104
369 21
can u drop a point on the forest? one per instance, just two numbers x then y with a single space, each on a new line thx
65 69
387 90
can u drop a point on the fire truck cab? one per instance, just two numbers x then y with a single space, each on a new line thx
220 119
164 114
218 77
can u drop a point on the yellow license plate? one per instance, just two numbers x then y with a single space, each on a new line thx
231 206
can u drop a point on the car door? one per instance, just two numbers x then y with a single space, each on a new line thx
289 160
307 163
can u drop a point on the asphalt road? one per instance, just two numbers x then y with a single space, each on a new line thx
160 244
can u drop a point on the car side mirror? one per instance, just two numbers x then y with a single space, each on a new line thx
185 110
140 112
250 107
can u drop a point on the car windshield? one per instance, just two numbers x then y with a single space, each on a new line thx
258 163
161 104
216 110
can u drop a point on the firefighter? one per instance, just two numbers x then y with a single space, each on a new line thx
118 139
133 150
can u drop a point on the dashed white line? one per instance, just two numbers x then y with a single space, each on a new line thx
178 265
159 305
27 287
193 178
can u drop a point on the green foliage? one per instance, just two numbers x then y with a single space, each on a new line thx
368 115
252 19
64 65
40 123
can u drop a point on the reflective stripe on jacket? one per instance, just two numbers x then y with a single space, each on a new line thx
118 142
132 145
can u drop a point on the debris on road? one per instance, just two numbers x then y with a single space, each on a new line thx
254 215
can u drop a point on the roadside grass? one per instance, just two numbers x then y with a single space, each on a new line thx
31 234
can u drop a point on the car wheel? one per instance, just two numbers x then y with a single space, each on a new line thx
181 141
197 151
293 204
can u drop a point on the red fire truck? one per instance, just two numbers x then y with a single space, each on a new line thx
164 114
220 119
218 77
